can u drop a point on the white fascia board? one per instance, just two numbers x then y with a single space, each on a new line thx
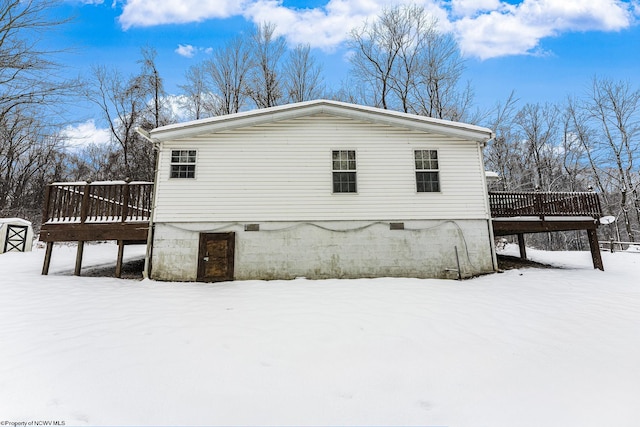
340 109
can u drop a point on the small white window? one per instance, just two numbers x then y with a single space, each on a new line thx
427 174
344 171
183 163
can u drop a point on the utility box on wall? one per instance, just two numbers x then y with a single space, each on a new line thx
16 235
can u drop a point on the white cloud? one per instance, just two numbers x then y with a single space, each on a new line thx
518 29
84 134
146 13
471 7
189 51
186 50
328 26
484 28
325 27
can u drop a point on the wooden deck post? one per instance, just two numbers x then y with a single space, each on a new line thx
119 260
84 204
124 212
47 203
76 272
45 218
47 258
595 249
523 249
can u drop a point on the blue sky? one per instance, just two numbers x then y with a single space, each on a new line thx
544 50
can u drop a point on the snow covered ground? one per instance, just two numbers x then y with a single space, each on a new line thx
529 347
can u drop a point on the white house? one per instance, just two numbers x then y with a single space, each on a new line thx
320 189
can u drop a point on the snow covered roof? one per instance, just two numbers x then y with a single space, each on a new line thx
491 176
321 106
18 221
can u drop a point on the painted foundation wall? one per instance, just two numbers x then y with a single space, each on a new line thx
335 249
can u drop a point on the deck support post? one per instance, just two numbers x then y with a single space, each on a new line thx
47 258
523 249
76 272
595 249
119 260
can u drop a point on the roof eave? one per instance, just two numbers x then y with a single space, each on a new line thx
292 111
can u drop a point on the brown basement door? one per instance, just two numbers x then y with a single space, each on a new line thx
215 258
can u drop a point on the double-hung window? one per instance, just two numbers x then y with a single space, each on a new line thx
427 173
183 163
344 171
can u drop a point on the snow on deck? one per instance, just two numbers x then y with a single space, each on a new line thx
537 218
529 347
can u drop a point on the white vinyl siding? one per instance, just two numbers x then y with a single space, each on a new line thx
281 172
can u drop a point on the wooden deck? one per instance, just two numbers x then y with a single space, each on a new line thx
93 211
121 210
518 213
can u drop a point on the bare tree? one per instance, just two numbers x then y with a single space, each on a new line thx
376 46
439 92
539 126
122 102
27 71
412 28
150 77
302 75
197 98
579 129
30 156
574 156
265 77
129 102
94 161
228 73
503 154
579 142
614 112
31 92
408 64
253 69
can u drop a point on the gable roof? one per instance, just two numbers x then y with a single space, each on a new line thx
321 106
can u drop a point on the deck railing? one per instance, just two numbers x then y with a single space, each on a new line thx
97 202
540 204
